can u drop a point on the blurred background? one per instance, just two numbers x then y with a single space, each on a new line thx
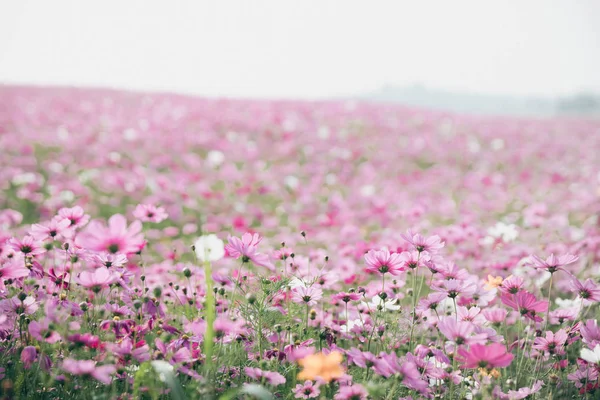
509 57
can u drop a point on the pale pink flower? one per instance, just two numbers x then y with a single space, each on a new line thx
247 248
116 237
150 213
88 367
382 261
98 279
553 263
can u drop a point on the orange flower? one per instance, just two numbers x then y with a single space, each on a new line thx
492 282
326 367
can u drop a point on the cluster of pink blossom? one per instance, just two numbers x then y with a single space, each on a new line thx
156 246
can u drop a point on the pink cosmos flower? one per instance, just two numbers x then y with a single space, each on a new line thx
308 390
29 246
126 349
485 356
43 331
14 305
431 244
387 365
88 367
522 393
472 315
111 260
97 279
354 392
526 304
512 285
588 291
150 213
346 297
114 238
560 315
307 295
271 377
412 378
55 229
590 332
28 356
76 216
495 315
13 270
247 248
583 376
452 271
382 261
454 288
460 332
431 302
553 263
552 343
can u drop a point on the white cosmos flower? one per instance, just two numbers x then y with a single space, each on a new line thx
209 248
163 369
296 282
350 325
592 356
215 158
568 303
506 232
386 305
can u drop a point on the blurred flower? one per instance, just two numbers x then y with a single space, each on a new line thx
591 356
325 367
209 248
485 356
150 213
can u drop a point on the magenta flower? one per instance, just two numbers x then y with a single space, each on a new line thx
247 248
553 263
97 279
485 356
526 304
88 367
150 213
382 261
117 237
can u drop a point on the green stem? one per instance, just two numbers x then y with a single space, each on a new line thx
209 312
549 302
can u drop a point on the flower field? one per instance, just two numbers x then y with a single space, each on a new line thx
157 246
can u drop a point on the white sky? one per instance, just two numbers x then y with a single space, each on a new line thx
303 48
